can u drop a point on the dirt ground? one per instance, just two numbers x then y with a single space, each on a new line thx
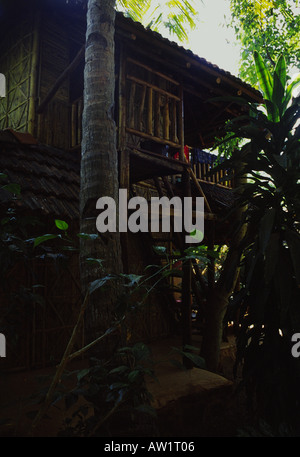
18 396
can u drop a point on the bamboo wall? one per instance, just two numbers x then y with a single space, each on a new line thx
53 123
38 327
17 63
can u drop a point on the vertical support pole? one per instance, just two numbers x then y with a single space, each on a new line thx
122 102
150 112
124 183
157 115
74 117
173 121
166 120
132 106
211 265
141 109
186 298
32 127
181 126
124 157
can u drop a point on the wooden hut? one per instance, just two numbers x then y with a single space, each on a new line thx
164 114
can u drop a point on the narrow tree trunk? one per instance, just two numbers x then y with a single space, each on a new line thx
220 292
99 165
217 303
213 331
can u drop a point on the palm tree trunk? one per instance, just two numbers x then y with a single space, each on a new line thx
99 165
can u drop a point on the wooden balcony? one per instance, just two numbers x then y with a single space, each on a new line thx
150 121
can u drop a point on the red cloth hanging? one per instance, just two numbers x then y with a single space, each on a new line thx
186 153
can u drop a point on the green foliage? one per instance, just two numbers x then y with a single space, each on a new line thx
270 27
173 15
191 353
117 400
116 389
264 430
276 92
18 297
270 295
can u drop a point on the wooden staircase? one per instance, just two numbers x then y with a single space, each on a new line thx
168 249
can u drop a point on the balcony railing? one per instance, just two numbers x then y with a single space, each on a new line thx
201 161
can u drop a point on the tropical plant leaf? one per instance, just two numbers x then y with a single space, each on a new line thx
147 409
273 111
82 373
289 91
88 236
132 279
61 225
293 241
271 257
94 285
13 188
93 261
266 227
41 239
279 84
264 76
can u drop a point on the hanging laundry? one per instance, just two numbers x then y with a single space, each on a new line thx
186 153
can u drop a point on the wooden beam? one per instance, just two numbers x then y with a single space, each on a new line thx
160 161
141 82
61 79
155 72
152 137
199 188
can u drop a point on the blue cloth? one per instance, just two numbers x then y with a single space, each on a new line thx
201 156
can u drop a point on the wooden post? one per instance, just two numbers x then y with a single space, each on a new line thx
211 265
199 170
166 120
157 115
142 107
122 102
186 299
32 127
181 126
173 121
124 181
132 105
150 112
74 116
